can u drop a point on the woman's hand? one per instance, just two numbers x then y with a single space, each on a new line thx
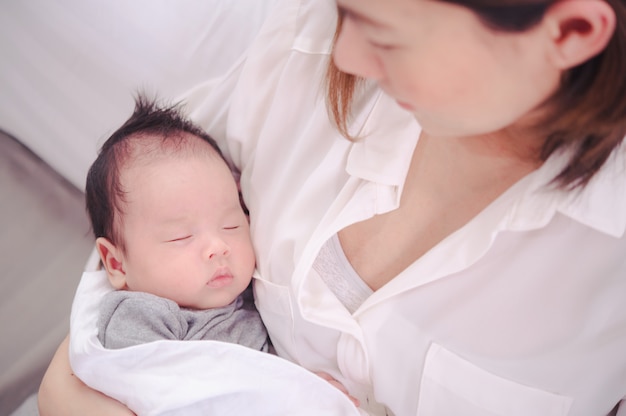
338 385
62 393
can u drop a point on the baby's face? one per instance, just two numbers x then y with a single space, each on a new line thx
187 238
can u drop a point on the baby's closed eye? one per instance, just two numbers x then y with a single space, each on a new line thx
181 238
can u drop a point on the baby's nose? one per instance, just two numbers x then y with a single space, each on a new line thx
217 247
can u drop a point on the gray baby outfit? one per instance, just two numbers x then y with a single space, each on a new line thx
132 318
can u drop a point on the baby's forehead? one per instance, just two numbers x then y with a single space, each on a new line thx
171 142
149 146
145 155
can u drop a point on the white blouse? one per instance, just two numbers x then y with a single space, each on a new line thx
522 311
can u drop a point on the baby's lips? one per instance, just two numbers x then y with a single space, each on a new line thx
220 278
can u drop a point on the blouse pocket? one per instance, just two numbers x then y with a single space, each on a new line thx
453 386
274 305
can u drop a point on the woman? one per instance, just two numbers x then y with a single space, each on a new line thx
463 253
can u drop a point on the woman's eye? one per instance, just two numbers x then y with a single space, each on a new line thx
382 46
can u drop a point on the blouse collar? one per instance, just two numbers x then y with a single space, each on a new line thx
388 135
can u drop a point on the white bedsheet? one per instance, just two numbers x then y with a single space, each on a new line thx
193 377
69 67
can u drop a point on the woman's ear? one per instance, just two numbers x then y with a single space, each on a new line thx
578 30
113 260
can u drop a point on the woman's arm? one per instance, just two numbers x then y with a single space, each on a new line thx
62 393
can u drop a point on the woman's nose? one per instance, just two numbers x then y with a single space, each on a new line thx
217 248
353 54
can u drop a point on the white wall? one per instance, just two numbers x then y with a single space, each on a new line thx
68 68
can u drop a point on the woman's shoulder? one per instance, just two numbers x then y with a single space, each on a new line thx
291 27
600 204
306 26
315 26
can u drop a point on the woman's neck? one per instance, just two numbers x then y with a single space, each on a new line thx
491 161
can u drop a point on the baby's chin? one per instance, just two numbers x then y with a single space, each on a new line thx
218 301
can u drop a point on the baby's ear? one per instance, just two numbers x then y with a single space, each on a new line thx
579 30
113 260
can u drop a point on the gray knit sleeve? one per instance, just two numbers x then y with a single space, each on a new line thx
133 318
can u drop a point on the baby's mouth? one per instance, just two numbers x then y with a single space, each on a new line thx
221 278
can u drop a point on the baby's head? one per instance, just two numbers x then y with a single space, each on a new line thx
166 213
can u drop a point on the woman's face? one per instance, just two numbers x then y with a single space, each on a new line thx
442 64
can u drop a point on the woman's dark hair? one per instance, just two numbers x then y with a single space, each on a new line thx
150 125
588 111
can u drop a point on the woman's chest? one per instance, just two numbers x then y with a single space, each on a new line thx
440 195
509 326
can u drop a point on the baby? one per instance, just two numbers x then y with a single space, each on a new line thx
172 236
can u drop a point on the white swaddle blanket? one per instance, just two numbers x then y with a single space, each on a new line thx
192 377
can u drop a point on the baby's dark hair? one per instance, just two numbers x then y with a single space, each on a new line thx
151 129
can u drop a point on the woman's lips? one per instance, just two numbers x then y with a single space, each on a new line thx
404 105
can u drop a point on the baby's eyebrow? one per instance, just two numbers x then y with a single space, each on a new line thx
173 221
